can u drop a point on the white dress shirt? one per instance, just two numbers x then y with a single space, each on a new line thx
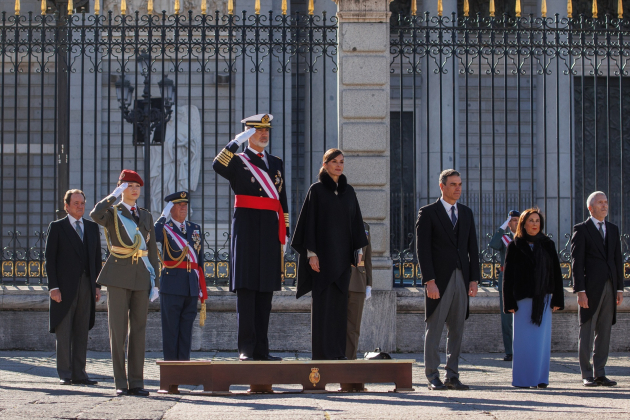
264 158
448 206
73 222
596 222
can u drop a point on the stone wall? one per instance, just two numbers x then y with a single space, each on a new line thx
24 323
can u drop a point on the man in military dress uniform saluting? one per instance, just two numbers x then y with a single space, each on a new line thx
259 229
182 280
130 277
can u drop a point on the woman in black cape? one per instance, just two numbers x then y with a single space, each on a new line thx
328 234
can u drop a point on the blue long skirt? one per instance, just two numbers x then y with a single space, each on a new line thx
532 346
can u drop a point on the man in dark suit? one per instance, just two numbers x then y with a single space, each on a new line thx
446 245
182 276
598 281
259 232
73 262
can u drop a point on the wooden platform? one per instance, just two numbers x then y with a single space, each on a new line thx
217 376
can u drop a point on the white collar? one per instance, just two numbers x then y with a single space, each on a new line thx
74 221
176 223
256 152
128 206
448 206
596 221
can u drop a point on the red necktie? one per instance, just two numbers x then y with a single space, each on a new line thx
261 155
133 209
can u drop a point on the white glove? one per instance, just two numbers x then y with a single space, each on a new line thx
368 292
167 209
242 137
504 225
154 294
286 245
119 189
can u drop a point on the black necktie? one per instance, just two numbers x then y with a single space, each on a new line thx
601 231
453 217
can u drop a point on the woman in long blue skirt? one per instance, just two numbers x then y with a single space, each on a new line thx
532 290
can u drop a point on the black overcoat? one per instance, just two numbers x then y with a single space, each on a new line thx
331 226
438 248
519 274
64 268
255 249
593 265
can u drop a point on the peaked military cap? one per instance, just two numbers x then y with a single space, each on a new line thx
178 197
514 213
258 121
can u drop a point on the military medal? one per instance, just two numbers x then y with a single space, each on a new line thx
197 240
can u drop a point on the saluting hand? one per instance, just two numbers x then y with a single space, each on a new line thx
119 189
167 209
314 263
242 137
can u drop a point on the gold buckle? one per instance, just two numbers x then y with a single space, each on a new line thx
188 266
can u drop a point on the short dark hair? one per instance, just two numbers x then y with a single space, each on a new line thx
68 196
446 173
520 229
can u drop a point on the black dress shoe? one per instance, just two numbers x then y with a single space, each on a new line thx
454 383
139 392
589 382
342 358
507 358
65 382
245 358
84 382
122 391
268 358
542 385
604 381
436 385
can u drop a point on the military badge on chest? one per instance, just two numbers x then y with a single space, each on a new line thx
196 238
279 181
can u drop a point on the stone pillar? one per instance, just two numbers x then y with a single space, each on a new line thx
363 88
553 113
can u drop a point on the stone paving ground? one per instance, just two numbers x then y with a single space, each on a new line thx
29 390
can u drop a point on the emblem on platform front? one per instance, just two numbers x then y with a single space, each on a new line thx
314 376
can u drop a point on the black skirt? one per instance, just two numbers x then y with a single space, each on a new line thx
329 319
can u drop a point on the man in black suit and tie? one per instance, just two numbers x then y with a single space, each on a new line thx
446 245
598 281
73 262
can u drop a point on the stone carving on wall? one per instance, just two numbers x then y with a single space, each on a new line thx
177 145
159 5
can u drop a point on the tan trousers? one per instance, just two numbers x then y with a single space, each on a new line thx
127 314
356 300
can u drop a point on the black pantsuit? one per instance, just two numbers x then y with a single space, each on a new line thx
329 324
253 309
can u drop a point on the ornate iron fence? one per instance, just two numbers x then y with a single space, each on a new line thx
528 107
84 96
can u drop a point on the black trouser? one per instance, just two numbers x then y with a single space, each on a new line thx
329 313
178 316
72 333
252 312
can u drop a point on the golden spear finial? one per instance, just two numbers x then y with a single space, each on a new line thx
543 8
311 7
492 8
517 8
594 9
620 9
414 8
440 8
70 7
150 7
257 7
204 7
123 7
230 7
569 9
45 6
284 7
177 7
17 7
466 8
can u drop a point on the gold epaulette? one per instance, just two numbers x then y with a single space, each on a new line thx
286 219
224 157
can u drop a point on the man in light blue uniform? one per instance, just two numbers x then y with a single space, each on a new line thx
500 241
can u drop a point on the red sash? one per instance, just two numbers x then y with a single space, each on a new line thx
264 203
